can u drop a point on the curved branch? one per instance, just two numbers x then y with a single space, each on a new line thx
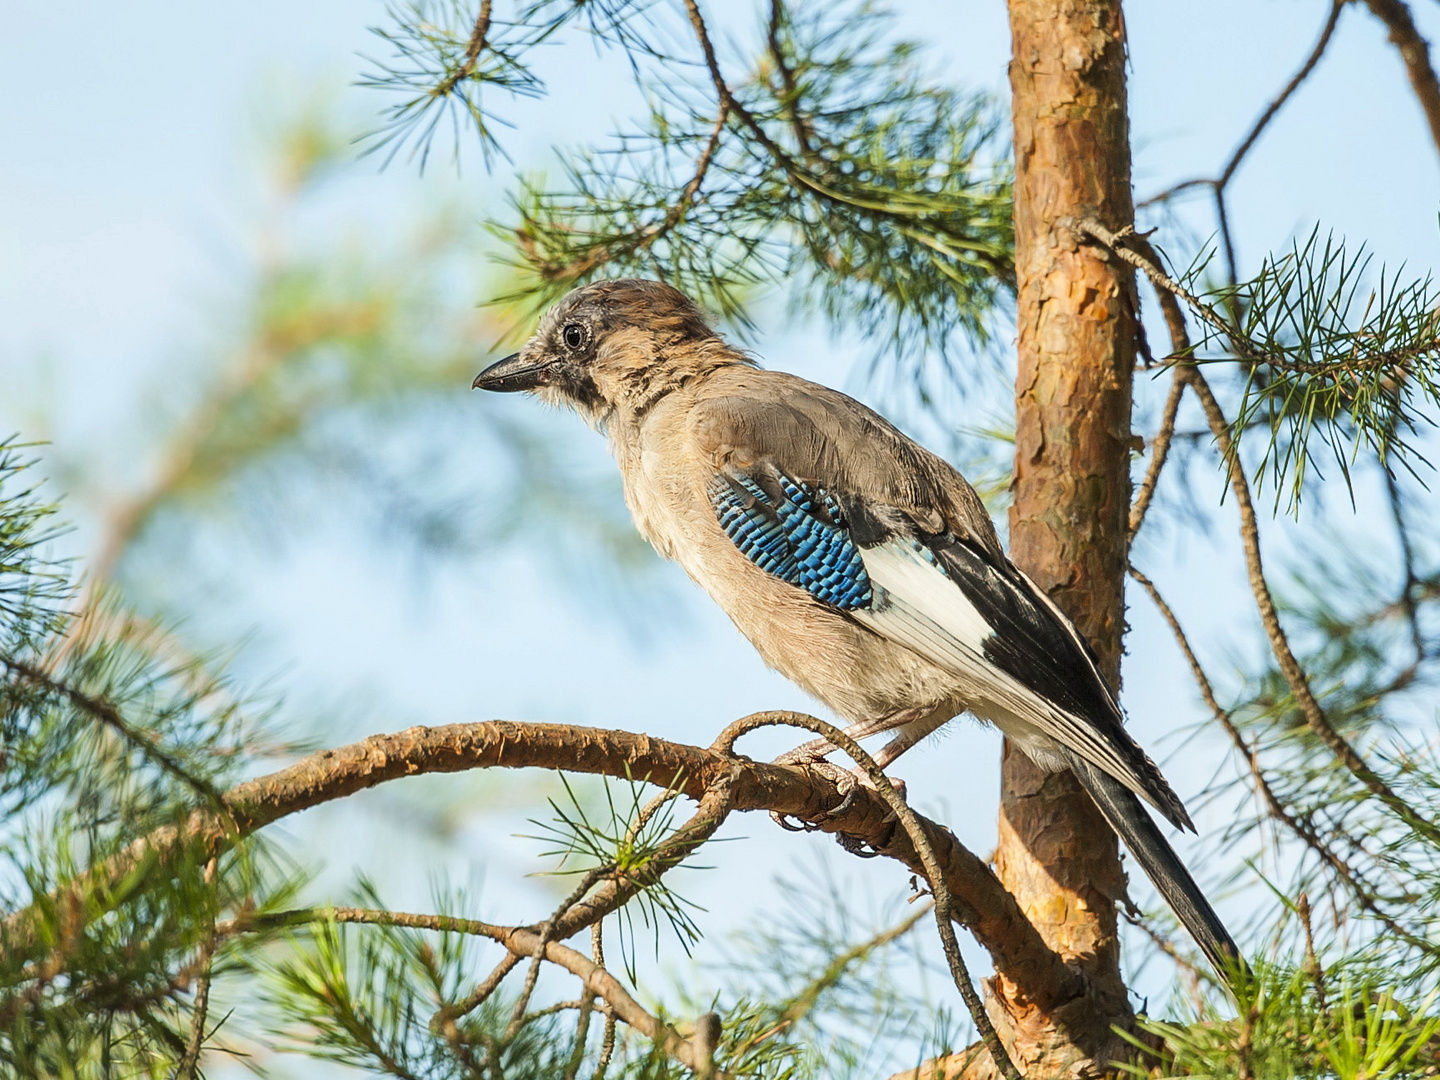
990 912
1278 103
1263 121
910 822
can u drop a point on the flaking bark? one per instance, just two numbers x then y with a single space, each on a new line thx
1069 519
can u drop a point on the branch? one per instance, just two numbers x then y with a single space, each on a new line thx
523 942
472 52
807 178
910 822
650 235
990 912
1302 829
107 715
1290 668
1271 111
1148 262
1159 451
1415 52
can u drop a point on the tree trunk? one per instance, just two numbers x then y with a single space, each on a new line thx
1071 492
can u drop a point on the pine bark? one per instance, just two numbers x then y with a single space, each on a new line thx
1068 522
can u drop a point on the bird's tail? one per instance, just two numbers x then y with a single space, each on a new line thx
1153 852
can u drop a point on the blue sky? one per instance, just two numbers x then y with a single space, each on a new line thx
127 196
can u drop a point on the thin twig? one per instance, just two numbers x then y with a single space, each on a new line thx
1415 52
196 1042
523 941
1159 451
1326 32
444 1019
473 49
1124 244
911 824
547 930
582 1033
1290 668
607 1039
1263 121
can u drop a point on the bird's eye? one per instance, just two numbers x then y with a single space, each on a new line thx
574 335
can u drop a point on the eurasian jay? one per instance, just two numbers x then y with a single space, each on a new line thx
859 564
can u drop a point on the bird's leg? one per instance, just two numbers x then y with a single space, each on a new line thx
916 730
818 750
813 754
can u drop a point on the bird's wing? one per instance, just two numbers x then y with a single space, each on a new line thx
824 494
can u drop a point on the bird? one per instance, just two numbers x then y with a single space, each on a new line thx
859 564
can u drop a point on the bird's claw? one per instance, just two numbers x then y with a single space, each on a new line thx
801 825
845 782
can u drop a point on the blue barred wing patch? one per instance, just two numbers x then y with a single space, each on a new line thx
796 533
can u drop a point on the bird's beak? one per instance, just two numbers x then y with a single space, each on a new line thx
511 374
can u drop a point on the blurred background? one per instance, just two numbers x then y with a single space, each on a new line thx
249 348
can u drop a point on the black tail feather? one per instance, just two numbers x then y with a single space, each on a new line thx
1148 846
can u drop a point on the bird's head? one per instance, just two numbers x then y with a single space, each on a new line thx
613 347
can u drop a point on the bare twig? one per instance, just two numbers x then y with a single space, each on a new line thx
1273 109
1159 451
582 1033
1263 121
1219 185
1415 52
1290 668
547 931
196 1042
910 822
607 1038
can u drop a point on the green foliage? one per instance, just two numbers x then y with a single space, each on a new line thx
838 167
107 736
626 835
1293 1022
369 997
1335 354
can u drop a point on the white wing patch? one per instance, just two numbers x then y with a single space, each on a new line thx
919 606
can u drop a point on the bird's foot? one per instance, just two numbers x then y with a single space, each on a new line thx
845 781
